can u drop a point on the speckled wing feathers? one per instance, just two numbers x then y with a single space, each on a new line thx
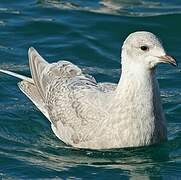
30 90
107 87
37 66
73 100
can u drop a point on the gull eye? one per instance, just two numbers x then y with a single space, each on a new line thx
144 48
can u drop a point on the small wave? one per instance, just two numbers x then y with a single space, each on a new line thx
14 67
174 130
2 23
5 47
23 107
138 8
43 19
9 10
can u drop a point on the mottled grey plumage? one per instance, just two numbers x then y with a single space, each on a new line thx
71 100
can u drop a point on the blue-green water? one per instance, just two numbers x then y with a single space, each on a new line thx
89 34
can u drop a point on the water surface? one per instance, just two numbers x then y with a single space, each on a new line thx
89 34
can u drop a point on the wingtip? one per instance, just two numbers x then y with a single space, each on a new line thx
31 49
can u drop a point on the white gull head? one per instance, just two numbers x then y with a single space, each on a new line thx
137 105
144 48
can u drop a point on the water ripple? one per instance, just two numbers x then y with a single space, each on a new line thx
88 33
9 11
139 8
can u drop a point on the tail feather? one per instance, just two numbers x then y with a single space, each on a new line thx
30 80
32 93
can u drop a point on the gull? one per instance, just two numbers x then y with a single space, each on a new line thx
86 114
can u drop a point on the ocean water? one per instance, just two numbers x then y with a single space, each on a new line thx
89 34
